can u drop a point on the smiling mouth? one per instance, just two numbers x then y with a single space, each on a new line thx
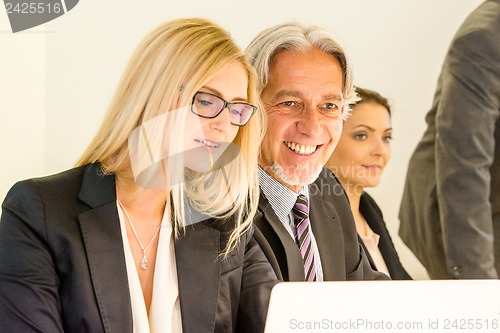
372 166
301 149
208 143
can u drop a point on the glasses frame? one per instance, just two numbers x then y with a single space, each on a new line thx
226 105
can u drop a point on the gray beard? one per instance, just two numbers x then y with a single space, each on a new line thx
282 175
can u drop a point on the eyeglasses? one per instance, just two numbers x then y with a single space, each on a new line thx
207 105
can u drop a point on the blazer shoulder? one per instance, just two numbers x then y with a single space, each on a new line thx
327 186
64 191
29 191
478 35
367 202
61 179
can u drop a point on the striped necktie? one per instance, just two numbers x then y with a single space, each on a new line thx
303 236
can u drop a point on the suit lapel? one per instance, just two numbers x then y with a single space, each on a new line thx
292 254
101 234
328 233
373 216
198 272
375 223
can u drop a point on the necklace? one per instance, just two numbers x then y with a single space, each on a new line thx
144 260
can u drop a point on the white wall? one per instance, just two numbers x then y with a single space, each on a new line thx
56 80
22 101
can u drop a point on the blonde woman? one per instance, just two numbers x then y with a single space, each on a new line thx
358 161
151 232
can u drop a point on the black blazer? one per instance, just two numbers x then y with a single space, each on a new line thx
62 265
373 216
332 223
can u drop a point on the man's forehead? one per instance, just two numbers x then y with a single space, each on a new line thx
296 73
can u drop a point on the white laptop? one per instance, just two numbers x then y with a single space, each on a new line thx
385 306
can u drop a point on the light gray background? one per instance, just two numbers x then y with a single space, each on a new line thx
57 79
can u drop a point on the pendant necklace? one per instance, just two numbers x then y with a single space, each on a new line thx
144 260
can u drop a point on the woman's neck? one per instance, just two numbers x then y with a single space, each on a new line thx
145 202
353 192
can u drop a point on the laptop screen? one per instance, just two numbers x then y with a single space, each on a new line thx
385 306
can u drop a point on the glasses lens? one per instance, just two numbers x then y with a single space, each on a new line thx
240 113
207 105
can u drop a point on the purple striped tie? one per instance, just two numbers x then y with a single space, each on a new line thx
303 236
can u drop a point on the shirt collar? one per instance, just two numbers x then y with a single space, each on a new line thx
280 197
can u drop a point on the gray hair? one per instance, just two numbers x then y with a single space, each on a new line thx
298 37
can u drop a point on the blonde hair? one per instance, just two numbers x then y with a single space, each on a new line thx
297 37
164 73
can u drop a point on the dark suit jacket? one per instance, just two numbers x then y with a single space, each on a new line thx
373 215
450 210
62 265
342 256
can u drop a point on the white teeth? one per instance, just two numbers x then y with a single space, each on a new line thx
207 143
301 149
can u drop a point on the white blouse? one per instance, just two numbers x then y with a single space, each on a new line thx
165 311
371 242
